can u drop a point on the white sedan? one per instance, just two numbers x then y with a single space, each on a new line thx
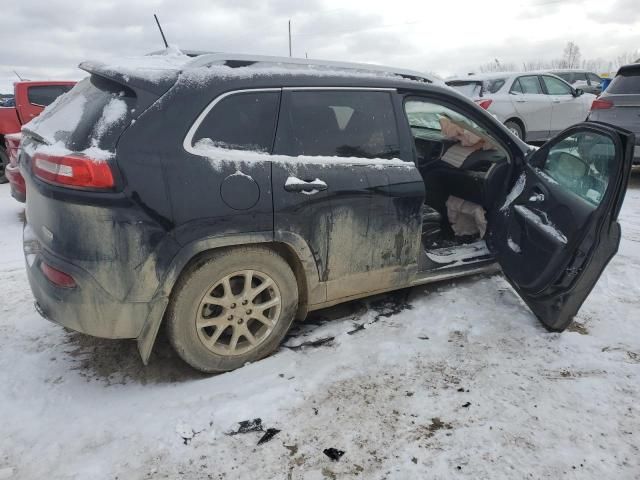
534 106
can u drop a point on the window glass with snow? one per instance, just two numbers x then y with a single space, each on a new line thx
242 121
337 124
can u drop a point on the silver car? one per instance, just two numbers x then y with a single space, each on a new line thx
535 106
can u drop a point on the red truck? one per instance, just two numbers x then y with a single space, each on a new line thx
30 99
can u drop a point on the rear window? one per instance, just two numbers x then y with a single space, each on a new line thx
92 114
44 95
242 121
338 124
626 82
468 89
477 88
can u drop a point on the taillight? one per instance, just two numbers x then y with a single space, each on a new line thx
599 104
57 277
75 171
12 141
485 103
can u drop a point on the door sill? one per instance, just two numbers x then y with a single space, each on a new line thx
446 258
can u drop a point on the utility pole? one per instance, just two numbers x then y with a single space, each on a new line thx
289 37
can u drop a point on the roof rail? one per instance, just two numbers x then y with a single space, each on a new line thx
243 60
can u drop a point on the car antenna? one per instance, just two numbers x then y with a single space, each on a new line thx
166 45
17 75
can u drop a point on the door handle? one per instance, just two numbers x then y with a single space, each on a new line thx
294 184
537 197
556 101
520 101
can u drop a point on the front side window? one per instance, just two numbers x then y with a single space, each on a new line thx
583 163
441 133
241 121
44 95
338 124
555 86
530 85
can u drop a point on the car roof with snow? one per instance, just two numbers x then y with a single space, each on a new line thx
157 73
478 77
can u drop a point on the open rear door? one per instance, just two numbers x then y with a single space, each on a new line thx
556 230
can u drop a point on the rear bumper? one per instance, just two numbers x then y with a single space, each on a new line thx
18 187
87 308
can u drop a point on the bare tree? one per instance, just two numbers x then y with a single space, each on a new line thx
497 66
571 56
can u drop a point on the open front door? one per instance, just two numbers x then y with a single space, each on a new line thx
556 230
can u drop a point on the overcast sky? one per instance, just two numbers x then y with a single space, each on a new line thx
46 39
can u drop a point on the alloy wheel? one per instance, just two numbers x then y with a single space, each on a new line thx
238 312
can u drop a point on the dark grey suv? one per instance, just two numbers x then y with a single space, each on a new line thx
587 81
620 103
225 197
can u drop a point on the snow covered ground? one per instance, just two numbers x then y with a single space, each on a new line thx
455 380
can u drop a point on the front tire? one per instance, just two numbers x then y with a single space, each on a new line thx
515 128
232 307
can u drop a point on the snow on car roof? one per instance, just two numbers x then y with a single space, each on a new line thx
164 66
483 76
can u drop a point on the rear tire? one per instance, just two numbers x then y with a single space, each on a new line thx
4 161
515 128
232 307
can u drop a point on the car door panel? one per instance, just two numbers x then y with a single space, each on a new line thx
363 229
567 109
555 232
533 108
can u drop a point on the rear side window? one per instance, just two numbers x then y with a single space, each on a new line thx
579 80
338 124
242 121
627 82
566 76
468 89
530 85
594 79
516 87
44 95
493 85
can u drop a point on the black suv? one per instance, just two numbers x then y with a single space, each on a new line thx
227 196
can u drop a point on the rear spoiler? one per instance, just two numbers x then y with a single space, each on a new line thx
148 83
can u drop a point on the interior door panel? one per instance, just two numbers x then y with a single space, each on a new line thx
557 229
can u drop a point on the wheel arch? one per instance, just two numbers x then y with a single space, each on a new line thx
520 123
310 290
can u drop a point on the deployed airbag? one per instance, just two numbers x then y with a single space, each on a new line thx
466 218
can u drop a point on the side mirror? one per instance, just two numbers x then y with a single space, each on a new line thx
577 92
